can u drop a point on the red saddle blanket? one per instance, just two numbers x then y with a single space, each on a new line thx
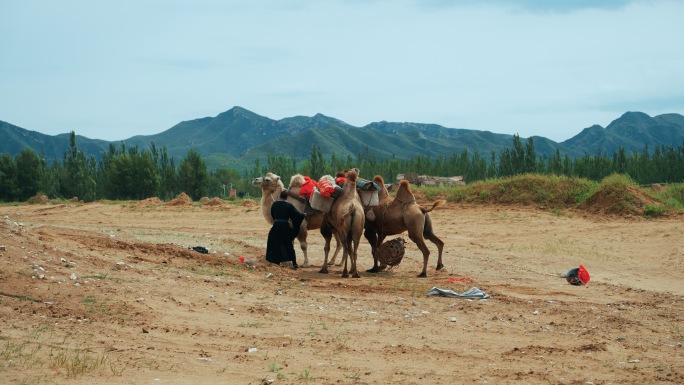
307 188
326 187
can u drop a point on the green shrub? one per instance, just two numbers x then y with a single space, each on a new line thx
651 211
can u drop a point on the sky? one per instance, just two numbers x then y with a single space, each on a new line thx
114 69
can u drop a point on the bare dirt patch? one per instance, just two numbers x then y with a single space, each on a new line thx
113 294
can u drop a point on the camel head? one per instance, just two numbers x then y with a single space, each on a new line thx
268 183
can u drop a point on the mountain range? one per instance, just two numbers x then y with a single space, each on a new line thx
237 137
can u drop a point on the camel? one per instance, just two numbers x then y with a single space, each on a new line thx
395 215
271 186
346 217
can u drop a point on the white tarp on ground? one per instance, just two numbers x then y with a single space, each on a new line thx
472 293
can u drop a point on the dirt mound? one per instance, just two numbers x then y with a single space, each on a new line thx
215 202
154 201
250 203
39 199
627 200
204 200
181 200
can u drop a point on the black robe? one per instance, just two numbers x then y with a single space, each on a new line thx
279 247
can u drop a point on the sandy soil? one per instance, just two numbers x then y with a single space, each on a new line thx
110 293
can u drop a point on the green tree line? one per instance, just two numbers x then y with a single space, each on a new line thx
132 173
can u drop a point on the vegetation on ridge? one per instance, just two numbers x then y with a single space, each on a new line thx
616 194
514 175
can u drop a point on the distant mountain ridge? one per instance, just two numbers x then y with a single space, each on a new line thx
237 137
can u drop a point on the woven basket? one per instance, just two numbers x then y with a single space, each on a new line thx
391 252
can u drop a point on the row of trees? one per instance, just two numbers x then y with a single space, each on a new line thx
121 173
133 173
663 164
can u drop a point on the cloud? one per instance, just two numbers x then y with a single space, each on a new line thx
534 6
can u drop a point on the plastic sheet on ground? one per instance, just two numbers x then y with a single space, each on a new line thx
472 293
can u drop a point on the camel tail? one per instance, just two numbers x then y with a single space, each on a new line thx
343 225
435 204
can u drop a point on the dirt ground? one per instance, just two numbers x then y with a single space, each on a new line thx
109 293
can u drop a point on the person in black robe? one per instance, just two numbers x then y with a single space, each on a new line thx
279 247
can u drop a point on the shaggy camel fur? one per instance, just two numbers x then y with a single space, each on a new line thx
346 217
271 186
395 215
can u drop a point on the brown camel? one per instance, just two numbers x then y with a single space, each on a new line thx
395 215
271 186
346 217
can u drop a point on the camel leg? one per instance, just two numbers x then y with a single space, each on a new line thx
338 246
375 241
345 254
430 235
420 242
345 273
353 256
327 234
324 267
356 231
302 243
372 238
381 239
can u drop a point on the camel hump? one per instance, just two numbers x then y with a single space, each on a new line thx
404 193
378 180
297 180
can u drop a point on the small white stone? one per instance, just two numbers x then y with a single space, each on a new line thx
73 276
252 350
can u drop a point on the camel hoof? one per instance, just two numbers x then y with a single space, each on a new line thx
323 271
345 275
373 270
356 275
422 275
440 266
